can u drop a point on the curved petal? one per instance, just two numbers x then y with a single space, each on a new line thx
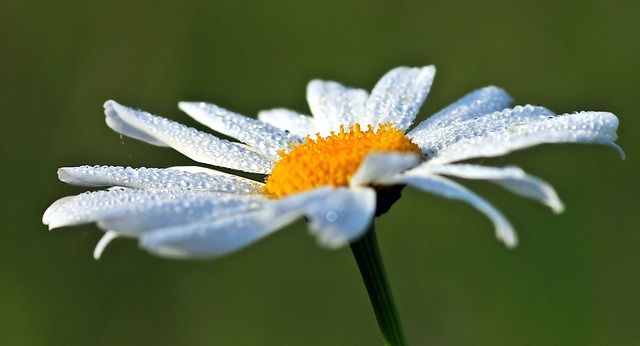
116 123
437 139
102 244
131 211
333 104
336 216
513 179
157 178
214 238
259 135
477 103
380 166
583 127
197 145
298 124
447 188
397 97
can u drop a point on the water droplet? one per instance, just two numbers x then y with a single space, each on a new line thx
331 216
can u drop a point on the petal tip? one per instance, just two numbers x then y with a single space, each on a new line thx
618 149
429 68
187 106
64 175
508 237
110 107
557 207
109 103
52 224
50 218
102 244
512 245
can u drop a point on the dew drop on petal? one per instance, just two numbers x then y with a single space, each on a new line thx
331 216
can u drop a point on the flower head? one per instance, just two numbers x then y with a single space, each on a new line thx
330 168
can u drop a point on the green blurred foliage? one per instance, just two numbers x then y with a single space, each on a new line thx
574 280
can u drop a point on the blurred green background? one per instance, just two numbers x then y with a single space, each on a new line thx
574 280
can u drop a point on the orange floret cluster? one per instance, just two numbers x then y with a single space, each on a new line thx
332 160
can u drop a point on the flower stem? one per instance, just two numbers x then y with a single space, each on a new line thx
367 255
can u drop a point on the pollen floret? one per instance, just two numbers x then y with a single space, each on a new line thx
332 160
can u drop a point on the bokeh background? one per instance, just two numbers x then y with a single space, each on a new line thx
574 280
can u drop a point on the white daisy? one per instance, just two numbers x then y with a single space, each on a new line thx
337 169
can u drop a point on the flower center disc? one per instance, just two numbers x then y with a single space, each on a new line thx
332 160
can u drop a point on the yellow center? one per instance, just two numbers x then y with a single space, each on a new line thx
332 160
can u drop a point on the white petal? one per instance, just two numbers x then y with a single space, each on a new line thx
132 211
397 97
116 123
380 166
447 188
337 216
298 124
157 178
181 211
333 104
439 138
102 244
584 127
259 135
214 238
511 178
197 145
478 103
200 169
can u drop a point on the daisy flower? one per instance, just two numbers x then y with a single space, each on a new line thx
338 169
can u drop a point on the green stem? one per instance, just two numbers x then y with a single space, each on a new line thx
367 255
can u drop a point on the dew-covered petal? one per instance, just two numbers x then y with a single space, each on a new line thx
116 123
182 211
157 178
477 103
439 138
201 169
447 188
214 238
397 97
336 216
259 135
512 178
285 119
380 166
583 127
333 104
131 211
197 145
